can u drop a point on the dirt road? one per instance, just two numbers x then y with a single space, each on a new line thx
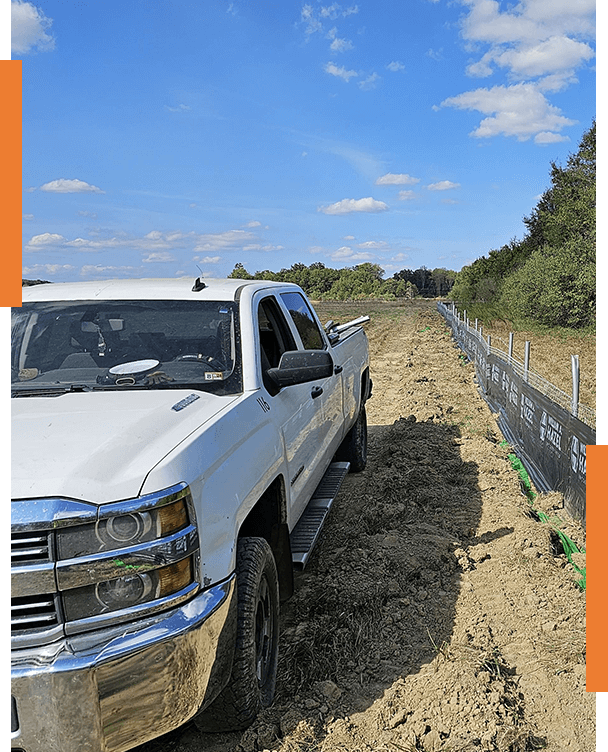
437 613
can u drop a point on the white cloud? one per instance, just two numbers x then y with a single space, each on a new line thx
397 179
531 39
449 201
45 239
546 137
335 9
555 55
154 242
341 72
370 82
231 239
307 16
347 254
395 66
260 247
443 185
338 44
179 108
46 269
406 195
540 44
84 213
520 110
27 216
349 237
529 21
253 223
158 257
70 186
29 28
97 270
349 205
373 244
208 259
313 21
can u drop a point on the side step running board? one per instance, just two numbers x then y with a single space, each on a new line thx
305 534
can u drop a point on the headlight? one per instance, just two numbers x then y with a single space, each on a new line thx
133 558
128 592
120 529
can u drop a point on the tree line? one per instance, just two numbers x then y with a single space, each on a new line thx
547 277
357 282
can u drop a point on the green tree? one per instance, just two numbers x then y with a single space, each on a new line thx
239 272
549 276
362 281
555 287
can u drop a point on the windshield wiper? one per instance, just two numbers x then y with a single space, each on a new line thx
50 391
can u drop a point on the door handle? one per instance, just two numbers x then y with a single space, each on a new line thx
338 369
316 391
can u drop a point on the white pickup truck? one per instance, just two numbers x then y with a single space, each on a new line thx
174 452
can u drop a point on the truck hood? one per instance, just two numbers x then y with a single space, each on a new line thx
99 446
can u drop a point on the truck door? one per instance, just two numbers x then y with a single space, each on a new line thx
331 399
295 409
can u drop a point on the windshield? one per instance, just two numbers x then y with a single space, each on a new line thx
151 344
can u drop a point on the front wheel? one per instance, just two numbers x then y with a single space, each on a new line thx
254 669
353 448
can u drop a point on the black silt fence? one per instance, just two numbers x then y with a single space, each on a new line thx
550 441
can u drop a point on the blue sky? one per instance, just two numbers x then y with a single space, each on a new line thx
163 135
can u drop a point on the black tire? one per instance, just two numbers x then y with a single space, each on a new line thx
254 669
353 448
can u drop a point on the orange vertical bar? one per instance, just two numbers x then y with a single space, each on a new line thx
597 585
11 183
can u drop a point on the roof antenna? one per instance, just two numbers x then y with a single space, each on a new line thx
198 282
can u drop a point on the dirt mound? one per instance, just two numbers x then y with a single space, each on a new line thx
437 612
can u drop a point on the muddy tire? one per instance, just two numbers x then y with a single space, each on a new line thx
354 446
254 669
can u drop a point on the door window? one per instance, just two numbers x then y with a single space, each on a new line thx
275 338
303 318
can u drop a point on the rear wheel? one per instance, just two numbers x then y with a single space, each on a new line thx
254 669
354 446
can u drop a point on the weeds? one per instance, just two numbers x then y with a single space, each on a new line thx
443 649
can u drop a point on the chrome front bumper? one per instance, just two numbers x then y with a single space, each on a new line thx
110 690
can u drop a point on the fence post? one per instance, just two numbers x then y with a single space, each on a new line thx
526 361
510 347
481 332
476 320
489 342
575 385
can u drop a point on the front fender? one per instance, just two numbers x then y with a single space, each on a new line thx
228 464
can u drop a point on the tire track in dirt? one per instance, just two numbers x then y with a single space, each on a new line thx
437 613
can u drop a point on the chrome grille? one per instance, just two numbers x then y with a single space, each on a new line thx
30 547
33 612
35 616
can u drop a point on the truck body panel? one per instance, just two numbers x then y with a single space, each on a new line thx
149 435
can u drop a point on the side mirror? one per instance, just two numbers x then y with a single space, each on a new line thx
301 366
